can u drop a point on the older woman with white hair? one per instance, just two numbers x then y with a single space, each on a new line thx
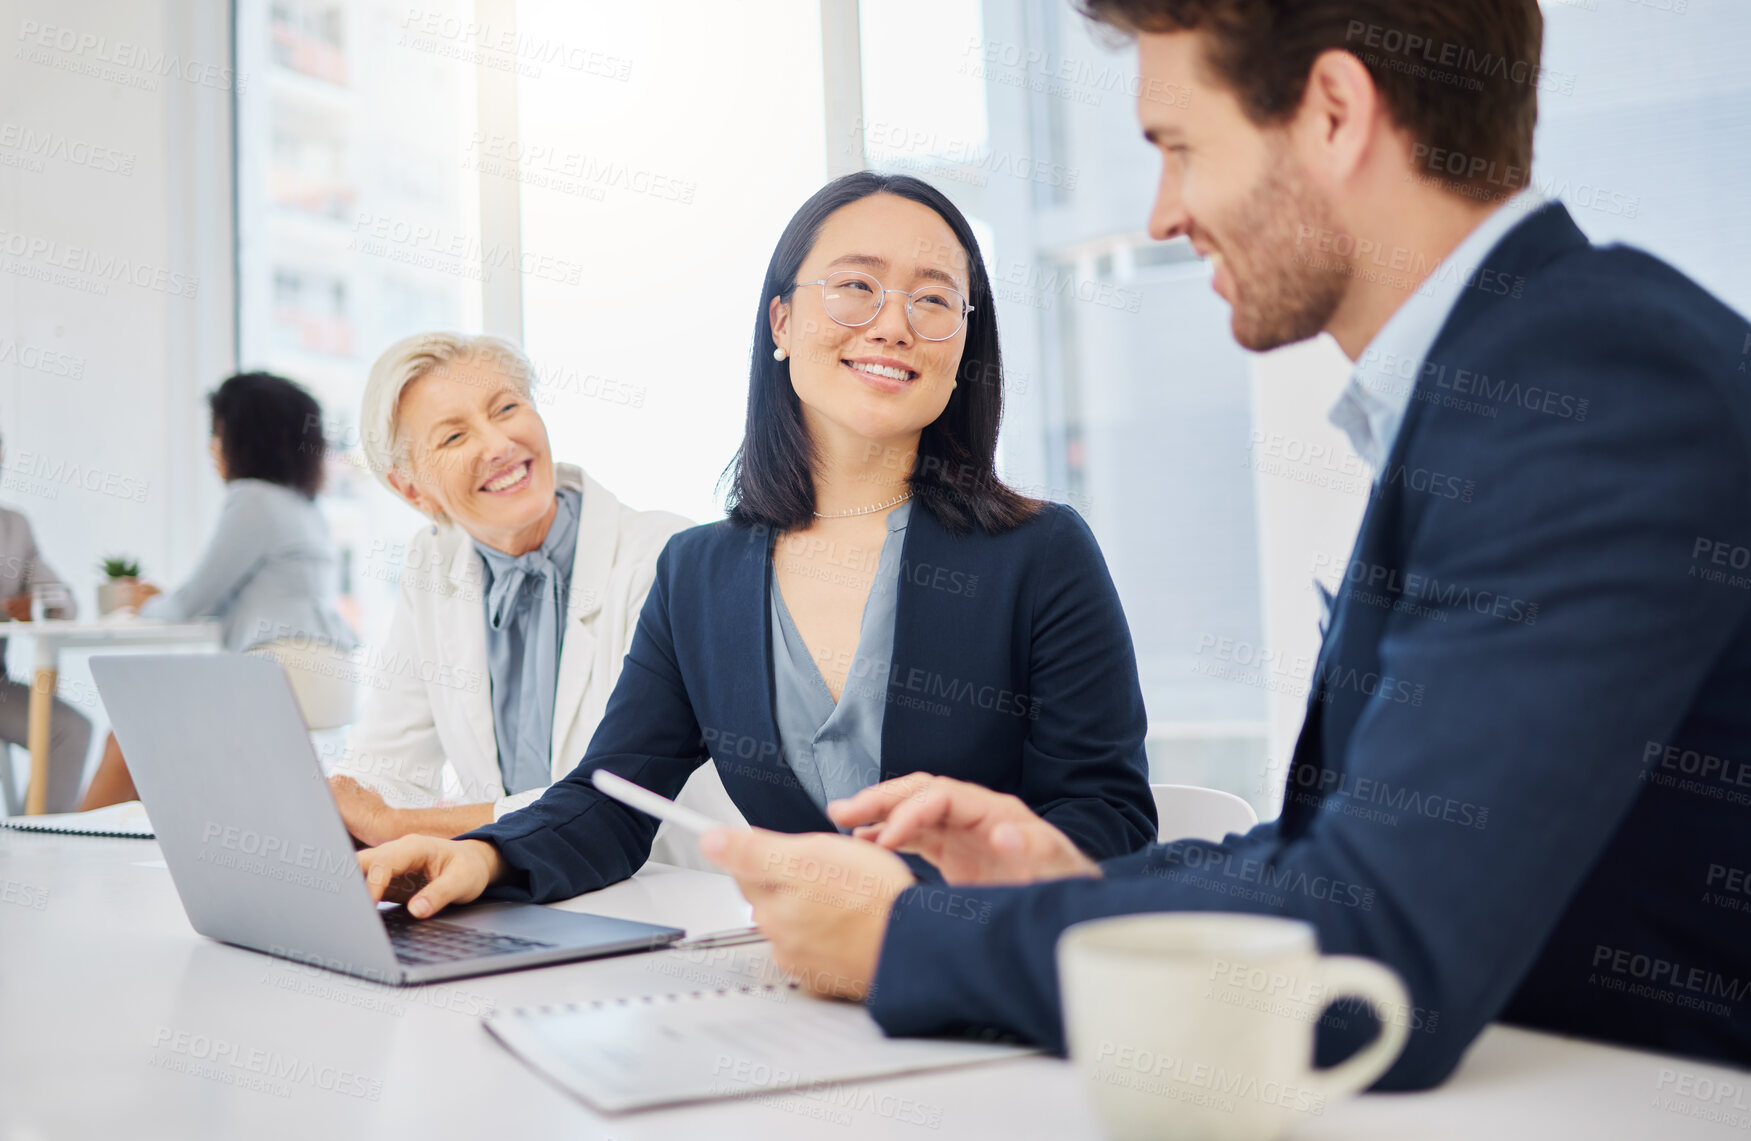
517 605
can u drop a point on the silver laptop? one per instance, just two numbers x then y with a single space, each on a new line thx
257 848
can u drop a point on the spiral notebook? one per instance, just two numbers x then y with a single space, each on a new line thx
125 819
637 1053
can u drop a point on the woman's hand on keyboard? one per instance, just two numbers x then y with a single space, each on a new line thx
428 873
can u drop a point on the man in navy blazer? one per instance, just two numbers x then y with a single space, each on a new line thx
1524 777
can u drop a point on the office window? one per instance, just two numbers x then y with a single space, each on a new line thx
656 171
1644 131
356 225
923 107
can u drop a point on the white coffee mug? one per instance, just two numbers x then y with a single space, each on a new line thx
1201 1024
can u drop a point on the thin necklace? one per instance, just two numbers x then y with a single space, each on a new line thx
864 510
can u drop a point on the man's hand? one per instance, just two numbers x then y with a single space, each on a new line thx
18 607
428 873
971 834
821 900
366 815
140 594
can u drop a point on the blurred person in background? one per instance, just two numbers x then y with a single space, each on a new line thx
270 571
22 569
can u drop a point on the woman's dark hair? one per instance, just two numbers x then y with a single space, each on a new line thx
771 478
271 429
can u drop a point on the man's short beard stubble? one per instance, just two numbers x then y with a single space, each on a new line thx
1285 289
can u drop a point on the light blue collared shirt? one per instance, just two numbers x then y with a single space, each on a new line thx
526 598
835 748
1372 406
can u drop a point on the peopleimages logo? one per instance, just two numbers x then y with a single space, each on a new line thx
1666 980
40 144
1169 1071
233 1064
87 53
99 269
248 842
53 473
1446 595
975 153
1336 792
1451 62
503 48
402 240
572 172
42 360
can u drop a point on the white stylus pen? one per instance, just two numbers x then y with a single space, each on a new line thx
646 801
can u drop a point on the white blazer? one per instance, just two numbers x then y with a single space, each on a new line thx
425 735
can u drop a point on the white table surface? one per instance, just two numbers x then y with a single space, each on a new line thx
54 634
99 967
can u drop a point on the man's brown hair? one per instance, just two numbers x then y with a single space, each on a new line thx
1461 76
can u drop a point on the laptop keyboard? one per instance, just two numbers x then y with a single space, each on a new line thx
419 941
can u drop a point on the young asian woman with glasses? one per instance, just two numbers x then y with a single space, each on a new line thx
878 602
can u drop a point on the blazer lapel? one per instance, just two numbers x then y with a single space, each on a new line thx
921 546
1538 237
462 643
1325 733
592 568
748 610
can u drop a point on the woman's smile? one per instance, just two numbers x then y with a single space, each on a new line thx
885 374
508 480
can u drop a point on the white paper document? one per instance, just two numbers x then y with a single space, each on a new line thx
636 1053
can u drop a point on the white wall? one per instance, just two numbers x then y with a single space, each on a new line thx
1311 492
114 175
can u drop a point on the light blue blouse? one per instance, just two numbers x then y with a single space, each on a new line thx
269 572
525 632
835 749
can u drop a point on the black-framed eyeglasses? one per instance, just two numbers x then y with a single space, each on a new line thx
854 299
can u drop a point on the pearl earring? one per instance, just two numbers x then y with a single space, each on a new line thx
779 354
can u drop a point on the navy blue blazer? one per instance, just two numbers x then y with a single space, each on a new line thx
1012 668
1524 777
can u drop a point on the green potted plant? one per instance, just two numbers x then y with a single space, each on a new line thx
120 573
